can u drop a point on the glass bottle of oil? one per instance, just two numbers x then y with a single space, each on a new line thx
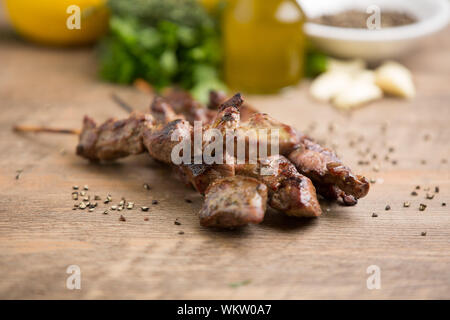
263 44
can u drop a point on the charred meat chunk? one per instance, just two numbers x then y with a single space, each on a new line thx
114 138
287 136
184 104
216 98
202 175
289 191
161 140
323 167
234 202
162 111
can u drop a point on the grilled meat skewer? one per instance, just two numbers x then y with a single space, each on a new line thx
287 190
156 139
331 177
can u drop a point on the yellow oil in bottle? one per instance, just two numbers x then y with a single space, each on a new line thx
263 44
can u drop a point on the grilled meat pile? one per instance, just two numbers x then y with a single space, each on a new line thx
235 193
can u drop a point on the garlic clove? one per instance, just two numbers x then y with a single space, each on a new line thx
395 79
357 94
329 84
364 76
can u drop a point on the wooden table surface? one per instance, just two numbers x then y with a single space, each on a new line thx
283 258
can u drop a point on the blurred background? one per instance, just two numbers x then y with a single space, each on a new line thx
252 46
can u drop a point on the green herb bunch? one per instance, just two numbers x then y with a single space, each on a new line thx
165 42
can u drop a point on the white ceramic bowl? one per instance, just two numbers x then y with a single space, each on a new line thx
374 45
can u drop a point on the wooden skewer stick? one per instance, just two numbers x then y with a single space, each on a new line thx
37 129
24 128
125 106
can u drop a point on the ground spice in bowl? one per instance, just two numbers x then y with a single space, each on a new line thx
358 19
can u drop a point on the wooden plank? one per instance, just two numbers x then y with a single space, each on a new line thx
283 258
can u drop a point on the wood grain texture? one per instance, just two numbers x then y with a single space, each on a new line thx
283 258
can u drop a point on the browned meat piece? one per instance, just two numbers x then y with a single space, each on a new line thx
185 105
289 191
228 115
226 120
158 141
202 175
331 192
216 98
114 138
163 111
288 137
247 112
233 202
323 167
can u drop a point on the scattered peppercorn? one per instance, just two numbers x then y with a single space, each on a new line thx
374 215
422 207
444 204
429 196
177 223
86 187
155 202
144 208
406 204
145 219
414 193
146 186
388 207
18 173
122 218
75 187
436 189
181 232
188 200
423 234
105 212
417 187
